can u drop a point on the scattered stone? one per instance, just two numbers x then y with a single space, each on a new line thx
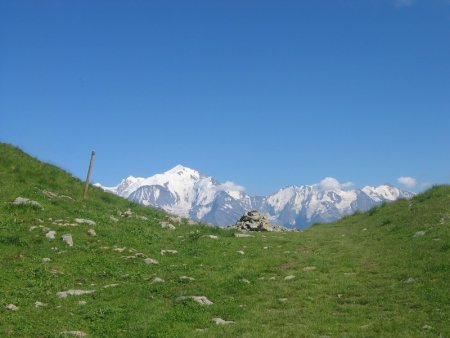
282 300
241 252
82 302
39 304
119 249
244 280
309 268
80 334
51 234
175 219
12 307
26 201
220 321
110 286
49 194
114 219
419 234
92 233
150 261
290 277
139 254
142 218
186 278
64 294
46 260
167 225
427 327
199 299
68 239
213 236
410 280
158 280
242 235
84 221
266 247
163 252
127 213
365 229
273 278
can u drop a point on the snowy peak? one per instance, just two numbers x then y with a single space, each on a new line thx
186 192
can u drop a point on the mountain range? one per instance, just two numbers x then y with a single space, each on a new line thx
188 193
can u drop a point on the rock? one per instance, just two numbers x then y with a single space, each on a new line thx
246 281
175 219
110 286
163 252
119 249
241 252
427 327
49 194
114 219
84 221
64 294
46 260
290 277
256 221
39 304
51 234
167 225
186 278
75 333
410 280
150 261
282 300
82 302
68 239
12 307
213 236
199 299
309 268
157 280
26 201
220 321
92 233
419 234
127 213
242 235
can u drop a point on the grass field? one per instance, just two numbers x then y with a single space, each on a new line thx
383 273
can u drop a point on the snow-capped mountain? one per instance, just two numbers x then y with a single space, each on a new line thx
186 192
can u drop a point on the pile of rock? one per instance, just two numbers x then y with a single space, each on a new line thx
256 221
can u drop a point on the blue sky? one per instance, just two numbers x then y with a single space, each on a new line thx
262 93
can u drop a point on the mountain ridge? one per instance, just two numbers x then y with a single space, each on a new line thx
188 193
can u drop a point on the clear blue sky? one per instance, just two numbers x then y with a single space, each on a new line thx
262 93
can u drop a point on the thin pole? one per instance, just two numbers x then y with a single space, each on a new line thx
88 178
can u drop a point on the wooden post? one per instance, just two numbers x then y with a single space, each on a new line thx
88 178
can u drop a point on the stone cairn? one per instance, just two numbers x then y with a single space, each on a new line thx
256 221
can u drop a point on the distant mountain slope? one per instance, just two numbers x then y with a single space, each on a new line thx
188 193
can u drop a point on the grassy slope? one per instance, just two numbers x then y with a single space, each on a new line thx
358 288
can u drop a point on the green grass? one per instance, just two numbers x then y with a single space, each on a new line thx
359 287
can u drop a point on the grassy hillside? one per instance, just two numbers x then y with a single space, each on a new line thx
384 273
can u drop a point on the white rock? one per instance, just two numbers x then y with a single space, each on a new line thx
91 232
241 252
150 261
75 333
82 302
12 307
114 219
84 221
157 280
213 236
26 201
167 225
39 304
64 294
186 278
246 281
220 321
46 259
419 234
290 277
51 234
119 249
282 300
68 239
309 268
163 252
110 286
202 300
427 327
410 280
